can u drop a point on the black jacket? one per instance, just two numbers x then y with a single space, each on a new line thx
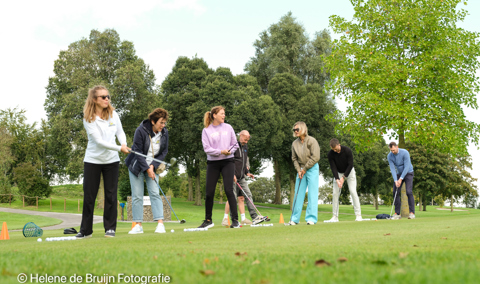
141 143
240 157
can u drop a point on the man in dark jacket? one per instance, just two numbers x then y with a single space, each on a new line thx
241 171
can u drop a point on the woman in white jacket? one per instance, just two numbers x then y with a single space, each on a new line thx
101 158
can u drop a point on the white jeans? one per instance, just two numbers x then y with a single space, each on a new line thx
352 186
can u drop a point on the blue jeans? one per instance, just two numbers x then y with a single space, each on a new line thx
137 186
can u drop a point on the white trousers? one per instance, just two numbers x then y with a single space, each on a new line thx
351 180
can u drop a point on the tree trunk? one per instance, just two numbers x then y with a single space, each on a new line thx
190 188
420 202
404 211
278 193
424 204
376 198
198 194
292 185
101 194
451 203
432 201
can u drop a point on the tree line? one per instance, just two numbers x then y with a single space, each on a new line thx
291 77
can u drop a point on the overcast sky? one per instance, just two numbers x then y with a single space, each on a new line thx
221 32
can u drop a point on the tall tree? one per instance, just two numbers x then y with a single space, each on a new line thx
191 89
285 48
299 102
100 59
406 69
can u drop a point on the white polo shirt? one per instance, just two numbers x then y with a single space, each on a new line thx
102 147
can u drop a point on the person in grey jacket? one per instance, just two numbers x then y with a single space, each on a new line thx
305 156
242 170
150 139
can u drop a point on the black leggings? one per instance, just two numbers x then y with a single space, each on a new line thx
91 181
214 168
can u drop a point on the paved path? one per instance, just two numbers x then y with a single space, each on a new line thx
69 219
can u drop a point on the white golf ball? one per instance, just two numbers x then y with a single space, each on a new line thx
39 240
173 231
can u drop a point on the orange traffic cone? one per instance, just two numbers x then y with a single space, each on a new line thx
133 224
4 234
281 219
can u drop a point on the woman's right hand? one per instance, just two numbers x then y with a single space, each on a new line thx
225 152
150 172
125 149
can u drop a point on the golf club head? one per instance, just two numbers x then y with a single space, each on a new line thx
182 221
173 161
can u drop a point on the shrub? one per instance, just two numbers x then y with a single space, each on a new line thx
31 183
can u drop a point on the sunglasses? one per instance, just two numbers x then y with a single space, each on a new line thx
296 129
104 97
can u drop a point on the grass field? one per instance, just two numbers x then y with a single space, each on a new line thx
437 247
18 221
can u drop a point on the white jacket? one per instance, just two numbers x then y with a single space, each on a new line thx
102 147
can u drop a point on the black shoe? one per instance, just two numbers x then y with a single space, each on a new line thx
110 233
207 224
82 236
235 224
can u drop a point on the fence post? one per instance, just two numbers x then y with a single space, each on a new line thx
78 205
23 200
50 204
65 204
37 201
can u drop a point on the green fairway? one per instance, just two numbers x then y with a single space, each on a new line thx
18 221
437 247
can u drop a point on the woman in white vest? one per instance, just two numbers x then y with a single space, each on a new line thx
101 158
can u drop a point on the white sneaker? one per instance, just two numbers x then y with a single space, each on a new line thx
160 228
310 223
291 223
246 222
359 218
333 220
137 229
225 222
411 216
396 217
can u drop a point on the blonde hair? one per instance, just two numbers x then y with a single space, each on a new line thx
208 117
90 107
303 130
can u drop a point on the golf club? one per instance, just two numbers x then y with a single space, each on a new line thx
393 204
263 217
294 201
180 221
173 161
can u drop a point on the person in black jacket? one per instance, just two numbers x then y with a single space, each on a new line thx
341 164
151 139
242 170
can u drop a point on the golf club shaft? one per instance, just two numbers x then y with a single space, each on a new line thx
156 160
295 198
167 200
244 193
395 196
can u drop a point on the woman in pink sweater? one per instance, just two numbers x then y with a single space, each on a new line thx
219 143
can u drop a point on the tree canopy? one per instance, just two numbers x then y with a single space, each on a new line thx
407 70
